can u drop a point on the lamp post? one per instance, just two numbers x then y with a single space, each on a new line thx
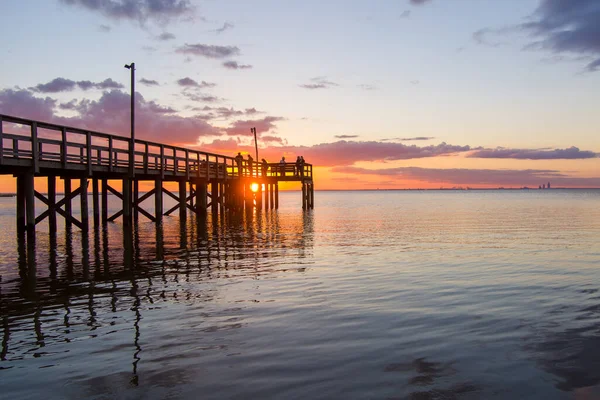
131 67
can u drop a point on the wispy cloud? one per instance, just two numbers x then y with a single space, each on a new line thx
475 177
161 11
149 82
408 139
104 28
226 26
235 65
405 14
419 2
189 82
208 51
165 36
367 87
571 153
345 136
65 85
319 82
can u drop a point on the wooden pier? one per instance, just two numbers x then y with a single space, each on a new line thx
113 164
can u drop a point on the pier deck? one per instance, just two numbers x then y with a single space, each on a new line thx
30 149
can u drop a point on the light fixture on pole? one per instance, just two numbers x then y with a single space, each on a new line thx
132 143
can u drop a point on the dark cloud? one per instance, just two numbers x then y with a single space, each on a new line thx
165 36
484 177
161 11
242 127
22 103
208 51
319 82
104 28
419 2
149 82
568 28
65 85
235 65
571 153
108 84
345 136
225 27
110 114
349 152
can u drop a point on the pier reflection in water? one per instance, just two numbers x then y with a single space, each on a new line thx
72 287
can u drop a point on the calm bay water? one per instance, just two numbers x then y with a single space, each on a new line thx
434 295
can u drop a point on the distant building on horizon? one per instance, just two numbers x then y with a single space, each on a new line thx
548 185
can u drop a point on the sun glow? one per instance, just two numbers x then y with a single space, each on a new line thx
254 187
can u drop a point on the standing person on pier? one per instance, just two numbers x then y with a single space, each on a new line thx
239 159
250 164
282 166
265 167
302 166
298 165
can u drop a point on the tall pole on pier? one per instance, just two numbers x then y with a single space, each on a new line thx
131 67
253 130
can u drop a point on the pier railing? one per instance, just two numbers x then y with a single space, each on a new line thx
44 145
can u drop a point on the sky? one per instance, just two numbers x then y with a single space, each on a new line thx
375 94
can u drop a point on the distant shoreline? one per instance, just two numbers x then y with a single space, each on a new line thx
402 190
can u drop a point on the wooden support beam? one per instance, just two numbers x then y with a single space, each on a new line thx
52 204
158 200
104 201
276 195
303 196
214 189
136 195
29 201
83 185
95 205
20 204
183 198
126 201
312 196
271 198
68 197
201 194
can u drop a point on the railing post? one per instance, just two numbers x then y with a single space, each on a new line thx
187 164
88 153
63 147
1 142
175 162
197 164
34 148
110 153
146 158
162 162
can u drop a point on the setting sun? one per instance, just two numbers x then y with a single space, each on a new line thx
254 187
